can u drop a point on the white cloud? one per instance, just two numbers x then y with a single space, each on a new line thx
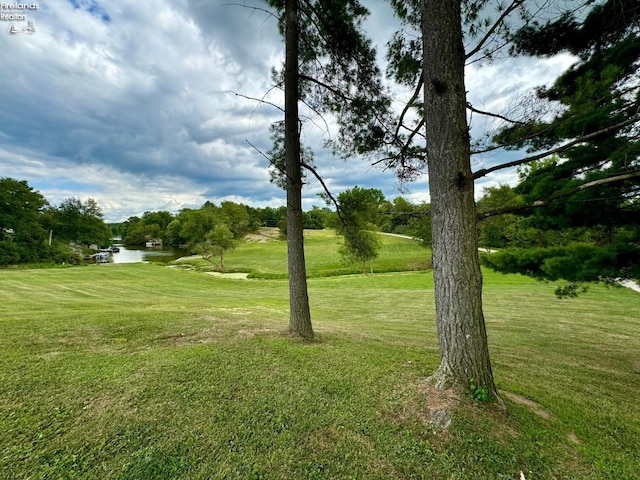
133 104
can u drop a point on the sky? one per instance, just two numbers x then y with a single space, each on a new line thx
141 105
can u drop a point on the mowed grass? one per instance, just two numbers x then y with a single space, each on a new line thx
268 258
142 371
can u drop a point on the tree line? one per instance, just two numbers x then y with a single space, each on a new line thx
33 231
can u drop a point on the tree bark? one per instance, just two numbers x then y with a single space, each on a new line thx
460 322
299 313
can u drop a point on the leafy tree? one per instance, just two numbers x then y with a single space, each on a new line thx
315 218
397 215
137 230
134 232
419 226
403 217
22 237
271 216
236 217
174 233
494 231
196 224
361 246
80 222
211 231
217 242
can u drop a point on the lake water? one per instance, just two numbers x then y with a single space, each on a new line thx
142 254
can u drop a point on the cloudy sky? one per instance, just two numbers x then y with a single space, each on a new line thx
133 103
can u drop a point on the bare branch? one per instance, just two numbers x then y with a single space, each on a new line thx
269 159
495 115
260 100
409 104
514 5
332 198
250 7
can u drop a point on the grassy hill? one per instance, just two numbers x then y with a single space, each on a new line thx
265 256
143 371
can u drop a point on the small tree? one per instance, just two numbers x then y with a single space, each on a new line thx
361 246
218 241
359 212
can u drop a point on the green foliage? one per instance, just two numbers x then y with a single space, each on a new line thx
478 393
588 192
570 290
79 222
270 217
405 218
315 219
33 232
217 242
338 72
21 233
361 246
359 214
575 263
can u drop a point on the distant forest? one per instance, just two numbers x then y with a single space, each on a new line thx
33 231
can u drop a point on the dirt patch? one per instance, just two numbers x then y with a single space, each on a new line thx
193 338
237 275
535 407
189 257
440 404
263 235
419 266
573 438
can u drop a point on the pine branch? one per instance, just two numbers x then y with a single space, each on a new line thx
562 148
541 203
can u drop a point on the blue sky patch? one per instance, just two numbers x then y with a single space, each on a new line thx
92 7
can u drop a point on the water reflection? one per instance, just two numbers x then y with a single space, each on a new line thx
142 254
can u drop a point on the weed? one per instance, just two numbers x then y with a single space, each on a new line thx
478 393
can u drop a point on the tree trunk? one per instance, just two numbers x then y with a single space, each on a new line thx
464 353
299 313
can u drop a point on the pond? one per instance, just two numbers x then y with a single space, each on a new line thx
143 254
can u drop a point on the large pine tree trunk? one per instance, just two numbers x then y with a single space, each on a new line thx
458 280
299 313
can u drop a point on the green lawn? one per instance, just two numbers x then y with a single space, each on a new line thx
142 371
268 259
